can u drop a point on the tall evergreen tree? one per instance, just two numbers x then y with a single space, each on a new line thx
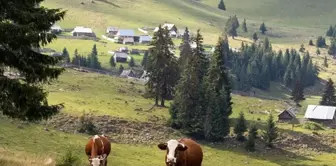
255 36
162 69
24 29
321 42
186 50
329 97
325 62
231 26
332 47
66 55
112 62
271 133
252 135
240 127
297 93
244 26
302 48
218 95
221 5
144 60
263 28
311 43
131 63
93 58
330 31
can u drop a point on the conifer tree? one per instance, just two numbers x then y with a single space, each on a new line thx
221 5
302 48
240 127
330 31
263 28
244 26
255 36
144 60
320 42
93 58
218 95
66 55
162 67
24 29
332 47
186 50
271 133
252 135
297 93
329 97
318 52
325 62
131 63
231 26
311 43
112 62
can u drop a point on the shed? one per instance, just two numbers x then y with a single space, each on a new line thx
321 113
120 56
112 30
128 40
82 31
128 73
145 39
287 115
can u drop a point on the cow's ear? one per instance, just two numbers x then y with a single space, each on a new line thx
163 146
182 147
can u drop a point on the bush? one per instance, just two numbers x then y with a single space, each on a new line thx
313 126
86 125
68 159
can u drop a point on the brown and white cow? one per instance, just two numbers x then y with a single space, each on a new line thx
182 152
97 149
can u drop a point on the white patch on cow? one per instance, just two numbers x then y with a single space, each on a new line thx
171 145
95 162
95 137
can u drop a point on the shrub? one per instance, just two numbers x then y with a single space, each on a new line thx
68 159
313 126
86 125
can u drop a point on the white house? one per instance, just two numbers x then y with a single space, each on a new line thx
82 31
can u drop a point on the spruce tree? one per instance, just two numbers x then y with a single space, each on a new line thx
332 47
311 43
330 31
325 62
93 58
302 48
221 5
320 42
112 62
240 127
186 50
252 135
231 26
297 93
318 52
218 96
255 36
66 55
24 29
271 133
263 28
329 97
244 26
162 67
144 60
131 63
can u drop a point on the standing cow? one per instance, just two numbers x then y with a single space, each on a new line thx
183 152
97 149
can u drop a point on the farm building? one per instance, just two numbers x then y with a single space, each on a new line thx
128 40
120 56
82 31
171 28
128 73
287 115
125 33
145 39
112 30
320 113
56 29
123 49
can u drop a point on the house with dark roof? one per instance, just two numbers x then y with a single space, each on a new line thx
56 29
120 56
321 113
82 31
171 28
287 115
112 30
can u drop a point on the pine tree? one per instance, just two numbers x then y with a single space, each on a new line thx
93 58
330 31
162 67
240 127
76 58
24 29
302 48
186 50
263 28
325 62
131 63
311 43
271 133
320 42
112 62
221 5
329 97
218 95
145 60
121 69
66 55
297 93
267 45
252 135
231 26
244 26
318 52
332 47
255 37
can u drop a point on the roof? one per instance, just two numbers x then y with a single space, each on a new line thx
120 54
125 32
126 73
56 27
129 39
145 38
320 112
169 27
290 111
82 29
112 29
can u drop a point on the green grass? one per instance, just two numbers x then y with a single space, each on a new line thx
36 145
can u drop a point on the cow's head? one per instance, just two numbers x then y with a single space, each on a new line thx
97 161
173 148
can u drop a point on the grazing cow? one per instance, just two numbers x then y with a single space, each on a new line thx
97 149
183 152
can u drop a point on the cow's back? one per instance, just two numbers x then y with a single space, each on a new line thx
194 153
99 143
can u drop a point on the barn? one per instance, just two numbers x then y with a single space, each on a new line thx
321 113
287 115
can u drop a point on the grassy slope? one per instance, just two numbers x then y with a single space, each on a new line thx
36 144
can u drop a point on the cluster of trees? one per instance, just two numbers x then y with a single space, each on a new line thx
257 65
331 32
90 61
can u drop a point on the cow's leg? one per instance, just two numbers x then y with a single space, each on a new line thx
105 162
